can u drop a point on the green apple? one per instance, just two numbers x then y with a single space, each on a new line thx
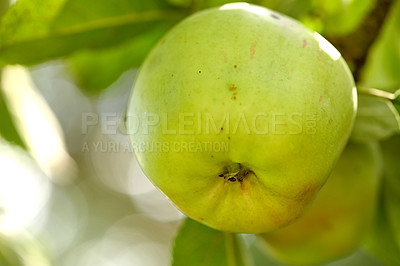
341 215
239 114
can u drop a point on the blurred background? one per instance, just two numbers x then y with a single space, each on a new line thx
71 191
82 198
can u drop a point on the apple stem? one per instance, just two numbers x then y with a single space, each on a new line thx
378 93
235 172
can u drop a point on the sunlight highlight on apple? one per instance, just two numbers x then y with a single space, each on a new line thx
327 47
245 6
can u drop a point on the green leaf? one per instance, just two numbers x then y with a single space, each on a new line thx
396 102
343 17
96 70
391 155
375 119
260 255
392 206
382 67
199 245
26 21
380 242
8 130
34 30
3 6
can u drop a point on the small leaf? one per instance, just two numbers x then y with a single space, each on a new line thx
396 102
7 129
199 245
382 67
375 119
31 35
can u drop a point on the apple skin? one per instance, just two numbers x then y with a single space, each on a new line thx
290 99
341 215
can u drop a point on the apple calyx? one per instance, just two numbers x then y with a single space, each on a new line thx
235 172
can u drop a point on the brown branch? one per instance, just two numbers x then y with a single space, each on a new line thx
354 47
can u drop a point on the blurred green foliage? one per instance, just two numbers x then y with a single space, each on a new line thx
96 70
100 40
53 28
381 241
8 256
59 28
331 17
197 244
375 119
8 130
382 67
